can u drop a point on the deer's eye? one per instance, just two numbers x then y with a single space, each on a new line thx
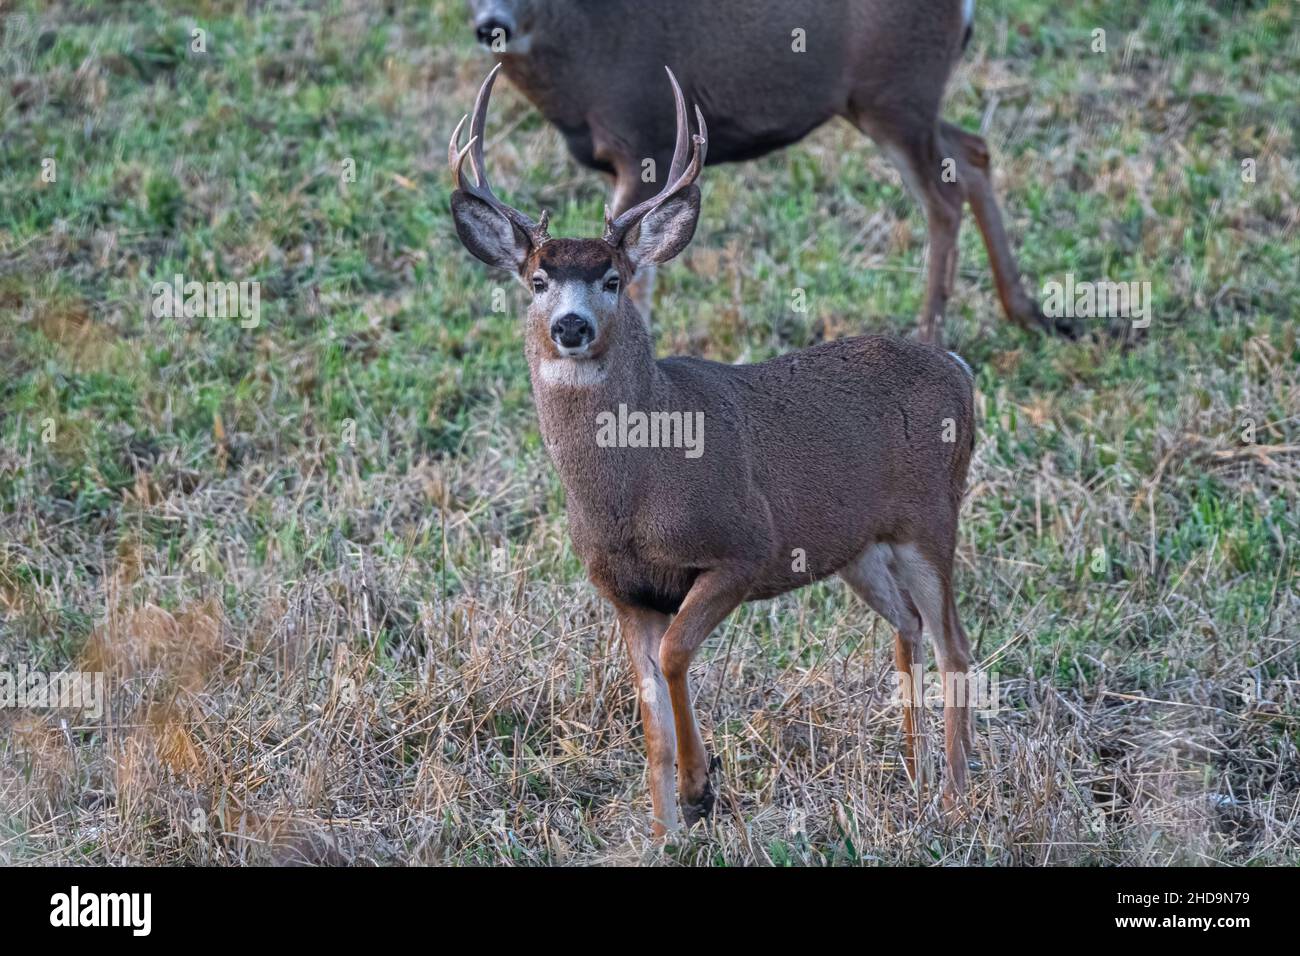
611 284
539 285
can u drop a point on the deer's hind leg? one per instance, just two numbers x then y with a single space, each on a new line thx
976 179
916 150
870 577
925 569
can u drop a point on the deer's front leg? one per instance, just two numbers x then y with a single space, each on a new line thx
643 630
713 596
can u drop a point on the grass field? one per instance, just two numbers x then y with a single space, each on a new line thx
323 562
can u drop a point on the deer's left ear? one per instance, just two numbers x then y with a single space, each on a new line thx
665 230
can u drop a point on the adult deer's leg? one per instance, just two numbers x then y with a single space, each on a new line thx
960 655
958 694
643 631
926 572
871 579
915 150
972 156
713 596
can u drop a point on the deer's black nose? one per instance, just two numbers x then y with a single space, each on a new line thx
492 29
571 331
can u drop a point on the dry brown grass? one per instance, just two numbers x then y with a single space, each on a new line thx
501 727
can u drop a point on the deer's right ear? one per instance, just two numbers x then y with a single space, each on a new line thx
487 234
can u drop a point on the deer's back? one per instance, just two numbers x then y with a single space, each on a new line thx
596 70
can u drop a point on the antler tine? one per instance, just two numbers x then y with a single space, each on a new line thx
454 152
458 171
683 129
476 125
702 138
680 173
474 150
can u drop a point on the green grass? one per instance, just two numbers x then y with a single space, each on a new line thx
167 478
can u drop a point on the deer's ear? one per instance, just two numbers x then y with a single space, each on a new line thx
487 234
664 232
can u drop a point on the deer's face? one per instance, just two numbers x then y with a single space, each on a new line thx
500 25
576 286
578 311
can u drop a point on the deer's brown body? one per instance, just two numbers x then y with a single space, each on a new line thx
792 465
849 457
591 69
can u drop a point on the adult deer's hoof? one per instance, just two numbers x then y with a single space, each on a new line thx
701 806
1032 318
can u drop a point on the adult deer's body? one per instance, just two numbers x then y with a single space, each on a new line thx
592 67
849 457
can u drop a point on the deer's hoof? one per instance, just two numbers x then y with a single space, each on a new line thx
1031 318
954 801
695 810
701 806
1067 328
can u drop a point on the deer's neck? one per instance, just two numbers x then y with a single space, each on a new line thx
558 83
571 395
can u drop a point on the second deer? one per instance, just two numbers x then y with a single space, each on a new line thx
768 72
846 458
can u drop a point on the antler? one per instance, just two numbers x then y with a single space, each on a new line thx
680 174
536 231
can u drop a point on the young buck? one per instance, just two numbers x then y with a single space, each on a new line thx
849 457
769 72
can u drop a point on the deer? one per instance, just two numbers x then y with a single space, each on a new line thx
848 457
771 72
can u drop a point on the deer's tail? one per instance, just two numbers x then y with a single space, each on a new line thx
961 461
